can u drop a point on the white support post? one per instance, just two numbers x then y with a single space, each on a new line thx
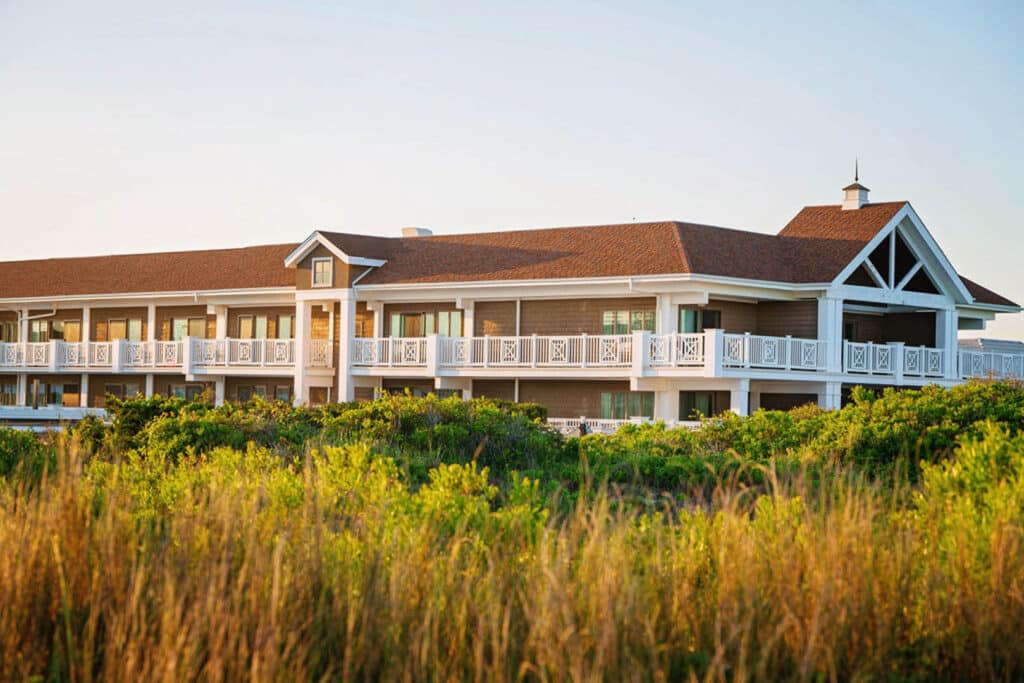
219 390
51 358
186 357
117 356
22 399
151 323
347 311
830 330
667 323
896 349
641 352
666 405
519 316
150 388
23 326
83 390
432 355
714 351
468 318
830 397
739 397
86 328
946 324
515 391
303 330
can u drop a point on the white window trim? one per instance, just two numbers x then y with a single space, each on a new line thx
330 271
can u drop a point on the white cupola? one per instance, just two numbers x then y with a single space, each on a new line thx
856 195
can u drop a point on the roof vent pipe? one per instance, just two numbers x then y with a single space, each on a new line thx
416 232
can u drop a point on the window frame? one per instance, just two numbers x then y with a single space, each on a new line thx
330 272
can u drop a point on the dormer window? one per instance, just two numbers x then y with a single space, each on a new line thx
323 272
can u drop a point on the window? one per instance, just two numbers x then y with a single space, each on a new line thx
283 392
623 322
849 331
252 327
130 329
127 390
38 330
190 392
621 405
244 393
8 332
696 404
692 320
323 275
449 323
285 325
115 390
135 329
188 327
72 331
8 394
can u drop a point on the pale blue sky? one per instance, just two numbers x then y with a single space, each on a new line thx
129 126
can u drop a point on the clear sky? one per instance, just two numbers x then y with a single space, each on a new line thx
141 126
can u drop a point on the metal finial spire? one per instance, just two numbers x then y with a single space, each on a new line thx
856 170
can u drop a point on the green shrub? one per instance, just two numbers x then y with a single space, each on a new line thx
24 454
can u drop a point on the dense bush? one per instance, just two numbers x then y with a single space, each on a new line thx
23 453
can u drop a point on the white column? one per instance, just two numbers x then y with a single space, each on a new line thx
946 324
86 327
345 385
83 390
22 389
830 330
303 330
218 391
151 322
831 395
755 401
739 397
641 352
150 386
468 317
23 326
519 316
667 323
666 405
714 350
378 318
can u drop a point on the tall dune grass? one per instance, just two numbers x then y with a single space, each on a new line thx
234 566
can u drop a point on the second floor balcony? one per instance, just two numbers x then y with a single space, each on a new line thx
712 353
191 355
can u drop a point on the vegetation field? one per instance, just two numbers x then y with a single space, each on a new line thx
428 539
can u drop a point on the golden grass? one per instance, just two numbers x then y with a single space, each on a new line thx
360 579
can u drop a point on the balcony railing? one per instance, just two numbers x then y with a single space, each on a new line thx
576 351
990 364
774 353
128 355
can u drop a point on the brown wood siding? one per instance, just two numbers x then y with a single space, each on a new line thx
98 383
913 329
736 317
98 318
494 318
425 307
364 320
319 323
569 398
165 314
272 313
794 318
574 316
503 389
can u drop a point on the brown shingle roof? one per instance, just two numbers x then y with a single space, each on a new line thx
162 272
985 295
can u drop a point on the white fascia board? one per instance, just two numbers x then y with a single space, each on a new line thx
938 254
315 239
187 296
889 296
646 285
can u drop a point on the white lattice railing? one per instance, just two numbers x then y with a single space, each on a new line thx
677 349
101 354
923 361
136 354
12 354
72 354
390 351
868 358
990 364
168 354
779 353
320 355
570 426
536 351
